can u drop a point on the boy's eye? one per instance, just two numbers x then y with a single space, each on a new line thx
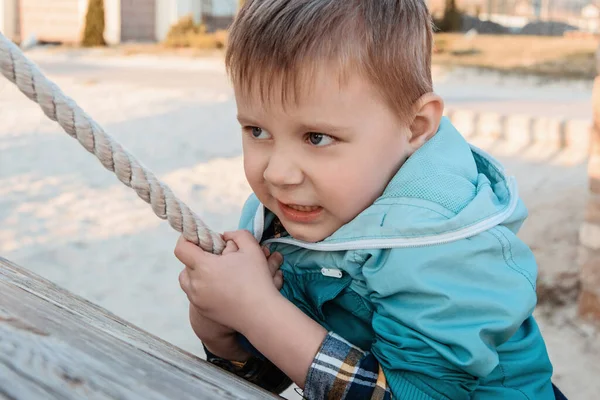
258 133
320 139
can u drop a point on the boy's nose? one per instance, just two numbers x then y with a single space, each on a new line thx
282 170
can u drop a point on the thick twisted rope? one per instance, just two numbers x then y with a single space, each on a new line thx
62 109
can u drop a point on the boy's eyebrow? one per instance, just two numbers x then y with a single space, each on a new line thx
317 127
244 120
323 127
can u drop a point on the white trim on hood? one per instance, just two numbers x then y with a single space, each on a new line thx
259 222
430 240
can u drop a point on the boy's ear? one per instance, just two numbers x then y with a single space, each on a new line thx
428 114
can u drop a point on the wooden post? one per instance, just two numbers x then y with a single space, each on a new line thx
589 235
54 345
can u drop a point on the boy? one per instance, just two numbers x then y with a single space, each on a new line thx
400 272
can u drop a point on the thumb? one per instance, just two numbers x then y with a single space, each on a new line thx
189 254
243 239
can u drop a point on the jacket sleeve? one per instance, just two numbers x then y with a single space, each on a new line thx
440 312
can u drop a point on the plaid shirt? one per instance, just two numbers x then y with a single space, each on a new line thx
343 371
340 371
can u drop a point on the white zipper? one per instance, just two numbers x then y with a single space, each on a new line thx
418 241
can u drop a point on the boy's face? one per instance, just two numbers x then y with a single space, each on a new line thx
320 161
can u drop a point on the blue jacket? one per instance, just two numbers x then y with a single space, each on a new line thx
431 278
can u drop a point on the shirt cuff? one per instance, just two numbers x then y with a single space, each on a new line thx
343 371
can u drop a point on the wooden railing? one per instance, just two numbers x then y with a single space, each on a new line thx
55 345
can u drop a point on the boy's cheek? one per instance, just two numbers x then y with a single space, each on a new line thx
253 168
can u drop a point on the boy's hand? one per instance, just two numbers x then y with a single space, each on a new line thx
220 339
231 287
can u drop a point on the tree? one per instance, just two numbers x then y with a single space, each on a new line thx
452 19
93 34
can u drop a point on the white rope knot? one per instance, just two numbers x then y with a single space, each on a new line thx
79 125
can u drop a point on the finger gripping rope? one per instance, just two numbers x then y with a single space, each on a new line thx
79 125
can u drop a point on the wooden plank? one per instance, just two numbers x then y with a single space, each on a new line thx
55 345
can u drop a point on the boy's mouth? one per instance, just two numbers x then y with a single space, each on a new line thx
300 213
302 208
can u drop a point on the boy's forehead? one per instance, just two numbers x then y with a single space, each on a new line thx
326 104
293 88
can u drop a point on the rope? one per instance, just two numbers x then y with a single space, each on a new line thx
79 125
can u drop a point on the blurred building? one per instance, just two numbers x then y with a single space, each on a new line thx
9 19
565 15
126 20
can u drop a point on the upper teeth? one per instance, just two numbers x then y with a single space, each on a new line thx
303 208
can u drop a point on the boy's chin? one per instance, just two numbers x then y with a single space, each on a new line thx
309 234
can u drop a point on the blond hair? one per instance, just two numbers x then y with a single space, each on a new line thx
387 41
